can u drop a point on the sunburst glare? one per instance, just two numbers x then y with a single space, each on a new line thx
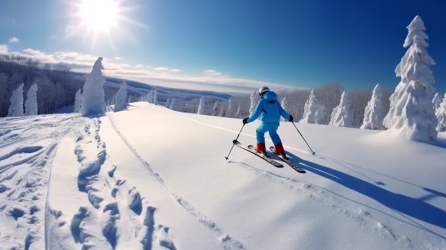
94 19
99 15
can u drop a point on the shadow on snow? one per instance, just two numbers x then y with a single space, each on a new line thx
415 208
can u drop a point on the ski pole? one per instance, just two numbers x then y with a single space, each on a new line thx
303 138
227 157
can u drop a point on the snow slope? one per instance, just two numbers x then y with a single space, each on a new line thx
152 178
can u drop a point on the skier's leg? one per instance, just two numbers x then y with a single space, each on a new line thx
274 136
278 147
260 135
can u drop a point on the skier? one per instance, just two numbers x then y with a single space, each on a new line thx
271 110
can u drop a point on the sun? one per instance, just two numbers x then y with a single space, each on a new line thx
99 15
98 20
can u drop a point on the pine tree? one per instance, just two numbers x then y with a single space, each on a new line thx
311 109
31 100
441 116
201 107
222 112
16 107
155 97
255 98
121 98
172 104
374 111
238 113
77 102
341 115
150 96
411 111
229 110
216 110
93 101
436 101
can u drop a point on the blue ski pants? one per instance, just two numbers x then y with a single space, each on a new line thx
270 127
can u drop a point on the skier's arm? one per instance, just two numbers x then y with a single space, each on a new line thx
283 113
257 112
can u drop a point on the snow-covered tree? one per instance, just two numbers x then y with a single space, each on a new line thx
222 112
374 111
285 107
229 110
411 111
255 98
238 114
441 116
172 104
16 107
155 97
149 96
436 101
31 100
341 115
216 110
168 102
311 109
201 107
77 101
93 101
121 98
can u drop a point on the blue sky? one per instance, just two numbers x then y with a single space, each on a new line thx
222 45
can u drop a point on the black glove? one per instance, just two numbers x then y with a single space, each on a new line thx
245 120
291 118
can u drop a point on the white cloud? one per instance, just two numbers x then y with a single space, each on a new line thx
211 72
14 40
161 69
3 49
32 52
118 58
139 66
161 76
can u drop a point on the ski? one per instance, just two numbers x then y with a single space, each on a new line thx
292 165
250 149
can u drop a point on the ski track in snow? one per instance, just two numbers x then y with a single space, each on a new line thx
227 241
24 175
115 216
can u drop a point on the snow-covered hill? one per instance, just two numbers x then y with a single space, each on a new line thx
152 178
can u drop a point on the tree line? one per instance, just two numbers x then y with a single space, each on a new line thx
328 96
55 83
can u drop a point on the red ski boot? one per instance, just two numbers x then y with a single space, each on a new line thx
278 149
261 148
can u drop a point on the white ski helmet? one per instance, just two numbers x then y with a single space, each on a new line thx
263 90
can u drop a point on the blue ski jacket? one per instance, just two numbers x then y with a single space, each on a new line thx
270 109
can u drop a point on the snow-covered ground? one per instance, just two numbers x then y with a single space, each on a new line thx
152 178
